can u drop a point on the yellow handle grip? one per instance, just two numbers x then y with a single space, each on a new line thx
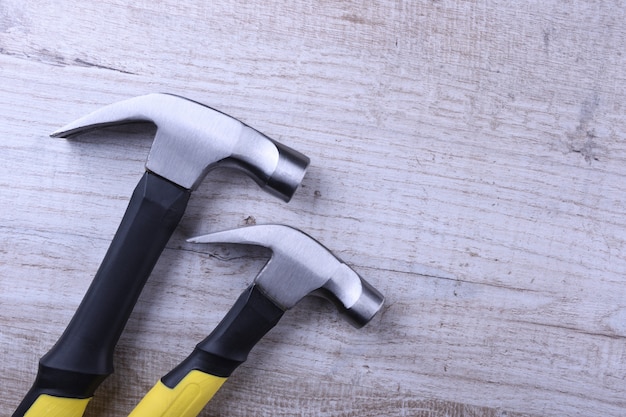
186 399
49 406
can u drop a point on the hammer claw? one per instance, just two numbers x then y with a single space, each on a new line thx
136 109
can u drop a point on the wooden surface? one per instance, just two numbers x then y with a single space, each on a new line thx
468 159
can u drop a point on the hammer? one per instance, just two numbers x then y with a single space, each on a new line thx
191 140
299 266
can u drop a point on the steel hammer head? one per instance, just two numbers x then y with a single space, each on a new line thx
300 266
192 139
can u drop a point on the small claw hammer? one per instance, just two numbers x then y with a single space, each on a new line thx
299 266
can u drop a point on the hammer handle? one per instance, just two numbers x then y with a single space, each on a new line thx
83 356
185 390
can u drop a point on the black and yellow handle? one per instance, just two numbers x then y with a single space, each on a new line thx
58 393
188 388
83 356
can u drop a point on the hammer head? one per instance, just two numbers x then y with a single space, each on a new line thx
300 266
192 139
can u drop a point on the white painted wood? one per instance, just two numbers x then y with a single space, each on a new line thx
468 159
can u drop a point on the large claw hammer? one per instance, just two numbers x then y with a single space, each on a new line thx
191 139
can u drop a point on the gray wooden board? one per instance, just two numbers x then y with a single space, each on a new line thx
468 159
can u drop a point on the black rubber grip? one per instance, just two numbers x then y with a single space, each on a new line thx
84 353
227 347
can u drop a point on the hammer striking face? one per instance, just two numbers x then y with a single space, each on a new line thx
191 140
299 266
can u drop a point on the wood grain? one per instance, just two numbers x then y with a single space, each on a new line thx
468 159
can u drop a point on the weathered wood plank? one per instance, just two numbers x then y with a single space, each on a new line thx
468 160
